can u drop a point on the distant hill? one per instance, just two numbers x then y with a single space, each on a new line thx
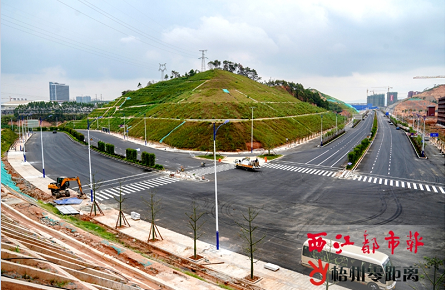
189 105
337 105
418 103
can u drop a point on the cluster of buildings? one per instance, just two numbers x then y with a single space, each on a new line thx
441 111
57 93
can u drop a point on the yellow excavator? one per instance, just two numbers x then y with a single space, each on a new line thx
60 188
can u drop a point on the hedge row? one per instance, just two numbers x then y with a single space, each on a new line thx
148 159
374 126
109 148
357 152
101 146
131 154
74 133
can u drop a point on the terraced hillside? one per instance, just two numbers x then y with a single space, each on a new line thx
192 104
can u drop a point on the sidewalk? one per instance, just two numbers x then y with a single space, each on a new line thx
229 263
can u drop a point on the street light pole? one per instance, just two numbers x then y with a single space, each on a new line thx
336 128
24 140
124 126
89 162
251 138
321 131
216 187
109 130
145 130
423 138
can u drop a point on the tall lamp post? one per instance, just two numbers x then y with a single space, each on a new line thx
336 128
89 159
321 131
423 137
216 187
24 139
251 138
145 130
41 142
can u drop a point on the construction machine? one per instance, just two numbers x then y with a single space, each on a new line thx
60 188
247 164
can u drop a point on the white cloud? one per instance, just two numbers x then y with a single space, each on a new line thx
235 39
129 39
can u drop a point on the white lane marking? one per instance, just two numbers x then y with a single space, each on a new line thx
325 173
390 183
409 184
397 183
414 185
421 187
105 194
380 181
364 179
354 177
370 179
403 184
321 172
441 189
360 178
427 187
304 170
434 188
98 198
375 179
386 181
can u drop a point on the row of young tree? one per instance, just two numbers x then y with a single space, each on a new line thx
299 92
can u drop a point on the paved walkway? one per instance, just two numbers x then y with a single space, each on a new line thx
223 261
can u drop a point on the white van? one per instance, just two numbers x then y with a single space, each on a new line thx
351 256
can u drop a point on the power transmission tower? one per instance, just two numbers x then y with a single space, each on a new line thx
203 62
162 68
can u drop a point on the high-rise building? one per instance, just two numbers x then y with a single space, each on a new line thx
377 100
83 99
391 98
59 92
441 111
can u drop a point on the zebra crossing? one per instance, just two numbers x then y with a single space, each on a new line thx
133 187
399 183
307 170
211 169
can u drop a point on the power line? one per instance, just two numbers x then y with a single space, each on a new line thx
92 18
72 44
132 28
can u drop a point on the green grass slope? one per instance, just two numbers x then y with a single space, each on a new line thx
201 100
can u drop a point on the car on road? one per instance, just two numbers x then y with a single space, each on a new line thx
390 123
397 128
55 131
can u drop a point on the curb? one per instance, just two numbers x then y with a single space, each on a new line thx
417 154
341 135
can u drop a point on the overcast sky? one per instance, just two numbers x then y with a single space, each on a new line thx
341 48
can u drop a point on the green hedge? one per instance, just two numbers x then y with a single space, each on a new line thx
148 159
109 148
131 154
374 126
74 133
101 146
357 152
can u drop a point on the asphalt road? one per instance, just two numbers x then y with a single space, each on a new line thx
292 202
392 155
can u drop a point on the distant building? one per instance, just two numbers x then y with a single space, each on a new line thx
59 92
377 100
441 111
412 93
431 111
391 98
83 99
9 107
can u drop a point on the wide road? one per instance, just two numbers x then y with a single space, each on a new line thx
392 156
293 201
333 155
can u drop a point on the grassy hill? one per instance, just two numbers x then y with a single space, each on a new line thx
207 97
